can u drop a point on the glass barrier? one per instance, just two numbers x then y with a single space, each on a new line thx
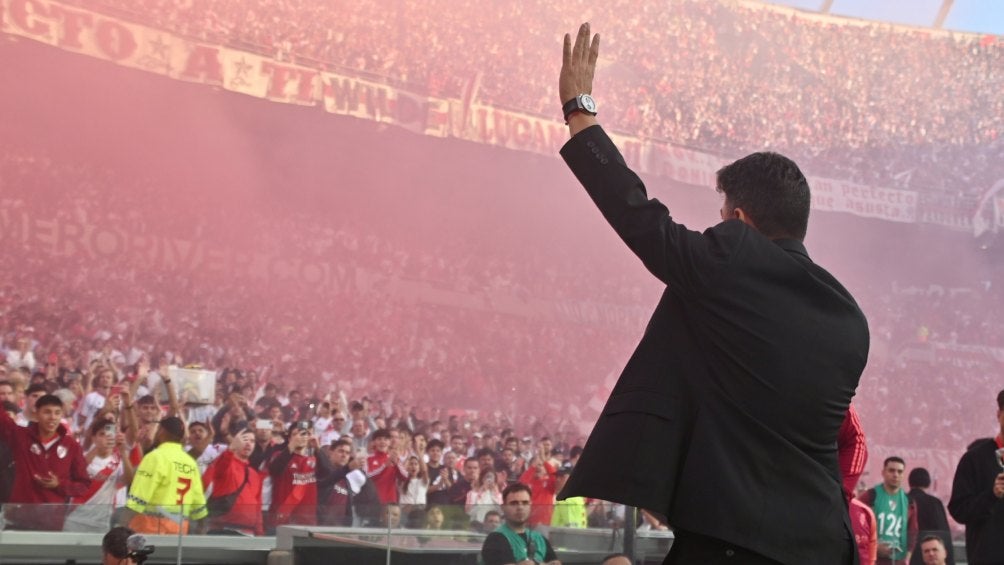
331 534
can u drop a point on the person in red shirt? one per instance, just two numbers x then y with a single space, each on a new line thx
542 479
382 469
853 454
294 472
235 499
50 468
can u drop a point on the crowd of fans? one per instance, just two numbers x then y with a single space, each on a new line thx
868 102
285 354
413 344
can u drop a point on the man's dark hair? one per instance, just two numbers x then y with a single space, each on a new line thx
174 427
435 443
6 382
379 433
919 478
146 399
575 451
340 442
48 400
1000 400
516 487
114 542
485 451
235 428
893 459
32 389
99 425
492 513
773 192
933 537
613 556
199 424
9 406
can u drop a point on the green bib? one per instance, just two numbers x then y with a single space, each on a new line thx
518 544
891 513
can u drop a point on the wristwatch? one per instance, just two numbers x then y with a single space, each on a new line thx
581 103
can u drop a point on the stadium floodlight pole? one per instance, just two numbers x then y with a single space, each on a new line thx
946 7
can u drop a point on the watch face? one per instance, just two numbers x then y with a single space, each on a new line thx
587 103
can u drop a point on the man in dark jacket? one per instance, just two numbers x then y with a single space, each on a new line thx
978 496
726 417
931 516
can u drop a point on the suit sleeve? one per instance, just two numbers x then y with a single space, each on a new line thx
971 501
684 259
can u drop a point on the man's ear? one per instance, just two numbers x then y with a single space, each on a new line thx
742 216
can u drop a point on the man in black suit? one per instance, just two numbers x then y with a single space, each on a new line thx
725 418
977 499
931 516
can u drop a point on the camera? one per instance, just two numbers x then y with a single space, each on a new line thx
138 549
110 429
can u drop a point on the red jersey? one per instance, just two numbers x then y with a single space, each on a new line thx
63 458
852 451
384 473
294 489
544 489
224 476
865 531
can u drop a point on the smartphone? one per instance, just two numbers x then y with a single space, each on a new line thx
116 390
110 429
263 424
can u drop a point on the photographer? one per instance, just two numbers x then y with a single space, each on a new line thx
515 541
122 546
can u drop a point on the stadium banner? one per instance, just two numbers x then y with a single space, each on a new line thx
132 45
865 201
989 215
369 100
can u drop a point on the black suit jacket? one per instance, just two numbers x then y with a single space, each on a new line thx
931 520
725 418
973 503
